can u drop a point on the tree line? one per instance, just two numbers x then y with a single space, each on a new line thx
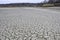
55 2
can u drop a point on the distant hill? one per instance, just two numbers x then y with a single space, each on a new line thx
21 5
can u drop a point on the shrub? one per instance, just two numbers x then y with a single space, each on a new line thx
48 5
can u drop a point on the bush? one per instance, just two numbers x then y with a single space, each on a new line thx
48 5
57 4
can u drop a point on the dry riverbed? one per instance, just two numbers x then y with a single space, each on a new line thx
29 24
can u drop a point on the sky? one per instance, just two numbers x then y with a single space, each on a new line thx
20 1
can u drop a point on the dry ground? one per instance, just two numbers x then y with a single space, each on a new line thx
29 24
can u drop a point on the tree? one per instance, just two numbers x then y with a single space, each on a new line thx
51 1
57 1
